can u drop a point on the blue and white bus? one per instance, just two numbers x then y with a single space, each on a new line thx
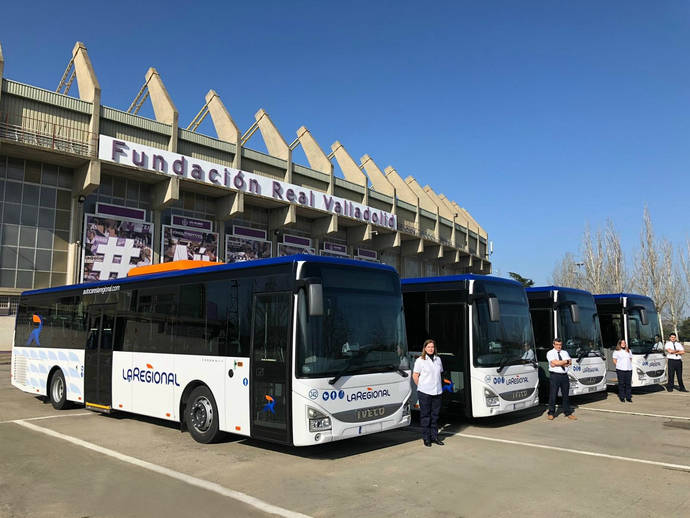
297 350
483 333
634 319
570 315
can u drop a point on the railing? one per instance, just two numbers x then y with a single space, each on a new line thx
47 134
408 226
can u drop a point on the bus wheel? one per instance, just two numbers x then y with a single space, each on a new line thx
201 415
58 392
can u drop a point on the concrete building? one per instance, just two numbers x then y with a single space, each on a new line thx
88 191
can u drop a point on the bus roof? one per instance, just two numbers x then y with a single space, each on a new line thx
457 278
218 268
534 289
620 295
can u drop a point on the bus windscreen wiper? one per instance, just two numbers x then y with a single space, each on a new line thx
505 362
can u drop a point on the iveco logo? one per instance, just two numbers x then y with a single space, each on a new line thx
370 413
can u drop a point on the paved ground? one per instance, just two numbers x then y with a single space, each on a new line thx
607 463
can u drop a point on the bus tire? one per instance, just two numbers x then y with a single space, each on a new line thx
57 392
201 415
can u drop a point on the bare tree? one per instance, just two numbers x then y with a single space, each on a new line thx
566 272
594 258
648 270
673 285
615 275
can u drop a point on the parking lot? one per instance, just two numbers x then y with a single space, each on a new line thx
617 459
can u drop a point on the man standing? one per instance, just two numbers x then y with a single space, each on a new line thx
675 352
558 376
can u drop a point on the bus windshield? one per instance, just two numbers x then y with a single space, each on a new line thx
643 339
362 328
579 338
510 340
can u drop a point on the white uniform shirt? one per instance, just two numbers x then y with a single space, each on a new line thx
670 348
553 355
528 355
623 360
429 375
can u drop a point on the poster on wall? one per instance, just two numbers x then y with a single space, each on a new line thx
295 245
333 250
247 244
179 244
116 239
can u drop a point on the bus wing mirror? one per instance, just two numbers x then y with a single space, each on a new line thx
315 299
643 316
494 311
575 313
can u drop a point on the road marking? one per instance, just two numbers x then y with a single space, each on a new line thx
46 417
634 413
579 452
198 482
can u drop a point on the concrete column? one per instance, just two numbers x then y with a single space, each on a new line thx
2 68
351 170
220 225
163 107
74 247
379 182
226 129
89 90
275 143
163 194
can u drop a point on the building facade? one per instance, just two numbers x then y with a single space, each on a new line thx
88 191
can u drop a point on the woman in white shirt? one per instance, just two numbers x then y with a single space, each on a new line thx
622 359
427 376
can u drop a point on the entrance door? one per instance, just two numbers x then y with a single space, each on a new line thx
270 388
98 357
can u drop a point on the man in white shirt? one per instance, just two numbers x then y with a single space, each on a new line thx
559 361
674 353
527 352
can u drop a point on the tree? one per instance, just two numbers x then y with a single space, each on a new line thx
593 257
615 275
673 285
648 271
522 280
684 330
566 273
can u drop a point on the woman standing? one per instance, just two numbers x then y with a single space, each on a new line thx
427 376
622 359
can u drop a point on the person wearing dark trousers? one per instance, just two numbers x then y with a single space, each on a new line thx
622 359
674 354
559 360
427 376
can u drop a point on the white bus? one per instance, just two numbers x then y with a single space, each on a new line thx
297 350
483 333
570 315
634 319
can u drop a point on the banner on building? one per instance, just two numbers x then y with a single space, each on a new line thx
183 243
247 244
292 245
364 254
116 239
333 250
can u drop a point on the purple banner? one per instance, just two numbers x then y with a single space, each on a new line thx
284 249
179 244
104 209
289 239
335 248
183 221
249 232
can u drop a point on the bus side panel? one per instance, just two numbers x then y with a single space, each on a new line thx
31 366
235 417
122 383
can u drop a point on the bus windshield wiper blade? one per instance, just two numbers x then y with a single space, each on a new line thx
397 369
505 362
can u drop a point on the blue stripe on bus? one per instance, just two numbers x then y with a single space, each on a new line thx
619 295
554 288
218 268
456 278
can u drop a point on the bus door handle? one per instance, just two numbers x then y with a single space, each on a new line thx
231 373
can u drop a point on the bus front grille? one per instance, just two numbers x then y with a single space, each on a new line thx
517 395
592 380
655 374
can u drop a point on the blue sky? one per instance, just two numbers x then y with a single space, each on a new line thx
537 117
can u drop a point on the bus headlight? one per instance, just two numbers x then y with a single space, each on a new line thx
491 397
406 408
318 421
640 373
572 379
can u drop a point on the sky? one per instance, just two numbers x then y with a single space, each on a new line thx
539 118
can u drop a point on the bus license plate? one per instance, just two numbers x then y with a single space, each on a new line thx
656 380
518 406
592 389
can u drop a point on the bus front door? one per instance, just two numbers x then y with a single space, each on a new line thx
270 359
98 358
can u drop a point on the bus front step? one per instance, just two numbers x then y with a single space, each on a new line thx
98 408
